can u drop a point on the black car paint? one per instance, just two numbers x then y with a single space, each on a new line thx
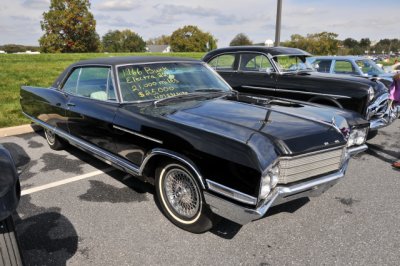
231 138
350 92
9 184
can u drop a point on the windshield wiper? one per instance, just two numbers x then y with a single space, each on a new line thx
195 93
179 96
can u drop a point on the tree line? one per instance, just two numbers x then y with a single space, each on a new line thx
76 32
69 26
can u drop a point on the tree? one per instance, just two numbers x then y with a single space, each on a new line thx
69 27
192 39
318 43
350 43
365 43
240 39
15 48
123 41
161 40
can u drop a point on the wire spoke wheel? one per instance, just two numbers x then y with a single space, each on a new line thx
50 136
182 193
181 198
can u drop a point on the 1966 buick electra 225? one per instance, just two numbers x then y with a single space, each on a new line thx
209 150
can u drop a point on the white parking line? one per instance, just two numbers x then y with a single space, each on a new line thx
65 181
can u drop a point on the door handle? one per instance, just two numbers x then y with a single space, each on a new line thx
70 104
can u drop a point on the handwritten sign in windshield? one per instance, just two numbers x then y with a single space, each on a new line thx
150 82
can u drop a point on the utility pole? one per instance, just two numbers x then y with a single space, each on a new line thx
278 23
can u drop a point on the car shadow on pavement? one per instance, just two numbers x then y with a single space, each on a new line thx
133 191
227 229
20 157
46 236
379 153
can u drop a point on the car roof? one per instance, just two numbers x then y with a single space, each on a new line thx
340 57
122 60
273 51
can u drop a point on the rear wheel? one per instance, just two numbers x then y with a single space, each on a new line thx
54 141
9 248
181 198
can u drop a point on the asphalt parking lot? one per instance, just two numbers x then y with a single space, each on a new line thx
75 210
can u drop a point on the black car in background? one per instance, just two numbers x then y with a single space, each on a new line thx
284 72
208 149
10 193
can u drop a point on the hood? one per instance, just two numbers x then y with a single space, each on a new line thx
292 130
355 82
358 80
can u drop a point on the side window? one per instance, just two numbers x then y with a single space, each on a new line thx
322 65
344 67
91 82
223 62
254 62
72 81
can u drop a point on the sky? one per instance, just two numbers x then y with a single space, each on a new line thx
20 19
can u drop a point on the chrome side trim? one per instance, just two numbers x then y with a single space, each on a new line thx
137 134
231 193
99 153
173 155
315 93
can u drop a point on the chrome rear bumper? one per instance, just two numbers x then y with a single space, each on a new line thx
281 194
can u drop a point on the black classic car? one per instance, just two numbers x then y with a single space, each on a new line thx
284 72
208 149
10 193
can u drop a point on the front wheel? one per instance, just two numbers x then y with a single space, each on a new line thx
181 198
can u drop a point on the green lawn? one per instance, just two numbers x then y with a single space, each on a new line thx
41 70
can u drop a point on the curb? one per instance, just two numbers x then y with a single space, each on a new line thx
18 130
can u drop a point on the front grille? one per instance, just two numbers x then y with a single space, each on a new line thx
297 168
379 107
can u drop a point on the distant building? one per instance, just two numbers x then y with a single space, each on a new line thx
269 43
28 52
158 48
2 52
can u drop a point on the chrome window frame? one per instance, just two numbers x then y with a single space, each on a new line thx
80 66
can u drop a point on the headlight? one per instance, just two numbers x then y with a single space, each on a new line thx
269 181
357 137
371 93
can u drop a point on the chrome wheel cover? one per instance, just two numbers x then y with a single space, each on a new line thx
50 136
182 193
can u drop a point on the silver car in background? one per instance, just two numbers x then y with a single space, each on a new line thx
350 65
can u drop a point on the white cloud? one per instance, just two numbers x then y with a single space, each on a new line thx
117 5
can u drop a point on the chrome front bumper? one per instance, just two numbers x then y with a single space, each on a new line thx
281 194
379 114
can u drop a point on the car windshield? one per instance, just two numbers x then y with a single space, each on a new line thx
155 81
292 63
368 67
